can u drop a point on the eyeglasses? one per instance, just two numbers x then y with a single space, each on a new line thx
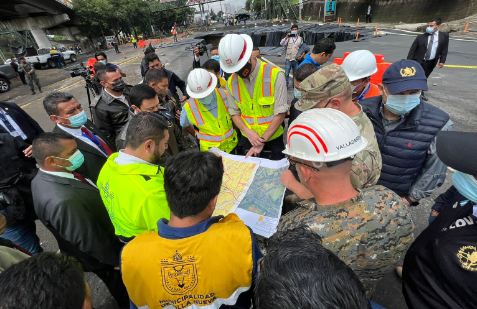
327 164
294 162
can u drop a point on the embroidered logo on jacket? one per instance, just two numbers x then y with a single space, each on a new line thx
179 276
468 257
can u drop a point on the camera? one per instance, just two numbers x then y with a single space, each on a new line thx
202 48
292 35
81 70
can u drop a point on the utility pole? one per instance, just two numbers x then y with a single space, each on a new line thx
299 10
265 9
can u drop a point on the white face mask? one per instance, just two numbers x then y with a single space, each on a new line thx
208 99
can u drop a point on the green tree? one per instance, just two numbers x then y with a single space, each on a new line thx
220 14
212 14
248 4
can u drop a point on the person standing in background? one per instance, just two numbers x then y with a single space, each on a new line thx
29 70
14 65
368 14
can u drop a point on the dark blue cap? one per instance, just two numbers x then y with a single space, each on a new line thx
404 75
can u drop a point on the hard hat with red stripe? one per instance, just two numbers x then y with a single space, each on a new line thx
235 51
200 83
323 135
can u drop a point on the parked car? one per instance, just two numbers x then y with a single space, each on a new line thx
6 73
41 57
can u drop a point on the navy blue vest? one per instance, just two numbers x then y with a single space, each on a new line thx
404 149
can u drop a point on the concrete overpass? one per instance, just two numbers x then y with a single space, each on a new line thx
37 16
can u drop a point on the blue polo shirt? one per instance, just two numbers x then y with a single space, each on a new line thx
308 59
112 65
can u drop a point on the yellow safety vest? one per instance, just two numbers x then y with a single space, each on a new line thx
133 195
257 113
205 270
213 132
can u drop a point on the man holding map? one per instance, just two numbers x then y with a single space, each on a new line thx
257 97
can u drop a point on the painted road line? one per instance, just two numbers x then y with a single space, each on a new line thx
460 66
411 33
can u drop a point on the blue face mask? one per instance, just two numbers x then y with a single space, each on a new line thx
294 32
402 104
77 120
466 185
103 61
297 93
76 160
216 58
208 99
430 30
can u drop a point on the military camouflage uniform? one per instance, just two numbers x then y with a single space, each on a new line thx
369 232
30 78
367 163
328 82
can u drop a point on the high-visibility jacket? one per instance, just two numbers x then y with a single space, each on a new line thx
206 270
257 113
371 91
134 196
174 31
212 132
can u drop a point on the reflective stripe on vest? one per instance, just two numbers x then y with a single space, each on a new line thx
214 138
196 113
267 80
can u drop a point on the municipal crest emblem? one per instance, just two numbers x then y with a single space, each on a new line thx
468 257
179 275
408 72
228 61
199 88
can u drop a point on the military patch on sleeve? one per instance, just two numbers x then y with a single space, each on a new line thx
468 257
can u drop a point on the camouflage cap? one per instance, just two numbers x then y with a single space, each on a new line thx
325 83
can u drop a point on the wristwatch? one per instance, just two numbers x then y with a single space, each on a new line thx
411 202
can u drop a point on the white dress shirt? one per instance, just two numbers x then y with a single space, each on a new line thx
18 131
76 132
434 46
68 175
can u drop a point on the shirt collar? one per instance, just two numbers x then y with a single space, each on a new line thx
59 174
108 97
125 158
166 231
72 131
310 59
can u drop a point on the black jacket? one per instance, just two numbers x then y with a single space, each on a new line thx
110 114
419 48
404 149
93 159
439 269
174 82
30 127
75 214
16 174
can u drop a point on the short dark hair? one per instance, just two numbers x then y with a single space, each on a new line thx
151 57
100 54
97 66
304 71
326 46
149 50
143 127
294 26
437 20
48 144
22 58
214 48
140 93
51 101
155 76
256 48
298 272
212 64
102 72
46 280
191 180
12 57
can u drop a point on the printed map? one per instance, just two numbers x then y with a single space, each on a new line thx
265 193
236 181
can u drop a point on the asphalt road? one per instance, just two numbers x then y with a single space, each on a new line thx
452 89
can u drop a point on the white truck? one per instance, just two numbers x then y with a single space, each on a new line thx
44 58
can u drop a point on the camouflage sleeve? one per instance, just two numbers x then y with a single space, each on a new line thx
366 170
381 254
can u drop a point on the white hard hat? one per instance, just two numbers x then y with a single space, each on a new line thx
235 50
323 135
359 64
200 83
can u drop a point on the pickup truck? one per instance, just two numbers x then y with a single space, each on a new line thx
41 57
6 73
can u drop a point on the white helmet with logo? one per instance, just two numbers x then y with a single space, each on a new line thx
323 135
200 83
235 51
359 64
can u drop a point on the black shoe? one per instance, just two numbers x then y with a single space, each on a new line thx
41 91
424 97
33 93
26 84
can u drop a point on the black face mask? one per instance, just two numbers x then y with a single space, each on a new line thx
245 71
119 86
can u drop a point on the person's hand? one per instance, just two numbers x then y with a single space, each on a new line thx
287 177
183 98
3 223
440 65
254 139
405 202
301 57
288 35
434 213
28 152
178 115
117 268
254 151
196 52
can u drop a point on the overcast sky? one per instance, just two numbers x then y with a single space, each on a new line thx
216 5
